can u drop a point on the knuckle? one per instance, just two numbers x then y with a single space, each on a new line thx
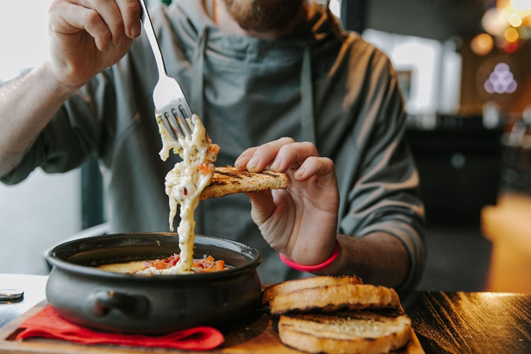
89 4
55 8
92 18
131 9
118 25
287 140
328 162
308 145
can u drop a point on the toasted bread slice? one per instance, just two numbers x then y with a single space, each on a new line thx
335 297
229 180
345 332
305 283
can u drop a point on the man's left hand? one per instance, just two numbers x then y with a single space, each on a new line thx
300 221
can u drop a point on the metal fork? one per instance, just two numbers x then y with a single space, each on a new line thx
168 95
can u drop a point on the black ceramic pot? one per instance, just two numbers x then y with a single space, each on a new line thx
129 303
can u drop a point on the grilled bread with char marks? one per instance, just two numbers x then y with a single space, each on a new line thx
339 314
305 283
345 332
229 180
335 297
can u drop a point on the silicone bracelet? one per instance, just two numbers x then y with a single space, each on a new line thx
312 268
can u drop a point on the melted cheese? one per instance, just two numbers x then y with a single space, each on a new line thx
184 184
128 267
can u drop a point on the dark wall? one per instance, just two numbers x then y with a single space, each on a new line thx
435 19
459 168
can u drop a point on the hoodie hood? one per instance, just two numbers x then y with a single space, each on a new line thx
251 77
317 30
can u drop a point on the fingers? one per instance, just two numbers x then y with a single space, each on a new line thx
130 11
106 21
277 155
293 155
317 166
258 158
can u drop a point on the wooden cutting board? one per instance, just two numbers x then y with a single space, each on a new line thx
253 335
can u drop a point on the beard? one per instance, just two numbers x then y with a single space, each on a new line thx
263 15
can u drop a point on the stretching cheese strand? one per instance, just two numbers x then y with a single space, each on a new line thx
184 184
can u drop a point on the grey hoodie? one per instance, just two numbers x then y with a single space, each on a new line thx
320 84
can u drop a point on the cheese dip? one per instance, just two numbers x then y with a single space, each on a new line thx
184 184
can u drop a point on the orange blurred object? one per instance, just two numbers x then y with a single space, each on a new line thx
508 226
482 44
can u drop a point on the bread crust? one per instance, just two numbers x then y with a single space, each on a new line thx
345 332
335 297
229 180
297 284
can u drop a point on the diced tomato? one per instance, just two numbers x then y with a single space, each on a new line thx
214 148
204 265
164 263
204 169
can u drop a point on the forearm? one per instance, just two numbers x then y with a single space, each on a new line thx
27 104
377 258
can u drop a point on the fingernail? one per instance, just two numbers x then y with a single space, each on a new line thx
241 161
275 166
300 172
253 162
134 31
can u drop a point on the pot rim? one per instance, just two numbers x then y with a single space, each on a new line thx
62 264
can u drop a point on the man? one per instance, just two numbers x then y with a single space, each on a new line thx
256 72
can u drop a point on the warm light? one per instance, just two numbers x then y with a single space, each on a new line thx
503 21
511 35
493 22
515 20
521 5
482 44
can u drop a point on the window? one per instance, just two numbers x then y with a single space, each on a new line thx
429 70
24 33
44 209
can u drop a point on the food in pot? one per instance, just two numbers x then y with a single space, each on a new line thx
166 265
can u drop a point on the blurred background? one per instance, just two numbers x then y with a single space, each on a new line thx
465 74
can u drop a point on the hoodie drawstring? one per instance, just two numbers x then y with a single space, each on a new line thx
196 98
307 118
306 87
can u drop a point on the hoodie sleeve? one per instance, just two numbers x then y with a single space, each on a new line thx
385 196
75 132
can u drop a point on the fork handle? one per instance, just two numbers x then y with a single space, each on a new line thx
150 32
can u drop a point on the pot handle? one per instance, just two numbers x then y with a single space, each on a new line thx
101 302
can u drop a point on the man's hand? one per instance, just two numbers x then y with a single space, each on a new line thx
87 36
301 221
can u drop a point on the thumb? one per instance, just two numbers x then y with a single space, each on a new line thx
262 206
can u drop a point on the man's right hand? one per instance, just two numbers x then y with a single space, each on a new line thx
87 36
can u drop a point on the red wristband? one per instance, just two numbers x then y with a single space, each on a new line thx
312 268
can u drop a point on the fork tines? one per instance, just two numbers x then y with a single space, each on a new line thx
178 124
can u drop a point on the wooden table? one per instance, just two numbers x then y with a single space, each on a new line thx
482 322
455 322
33 287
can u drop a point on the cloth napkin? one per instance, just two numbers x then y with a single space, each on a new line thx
49 324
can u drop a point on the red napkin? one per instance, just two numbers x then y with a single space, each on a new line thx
48 324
